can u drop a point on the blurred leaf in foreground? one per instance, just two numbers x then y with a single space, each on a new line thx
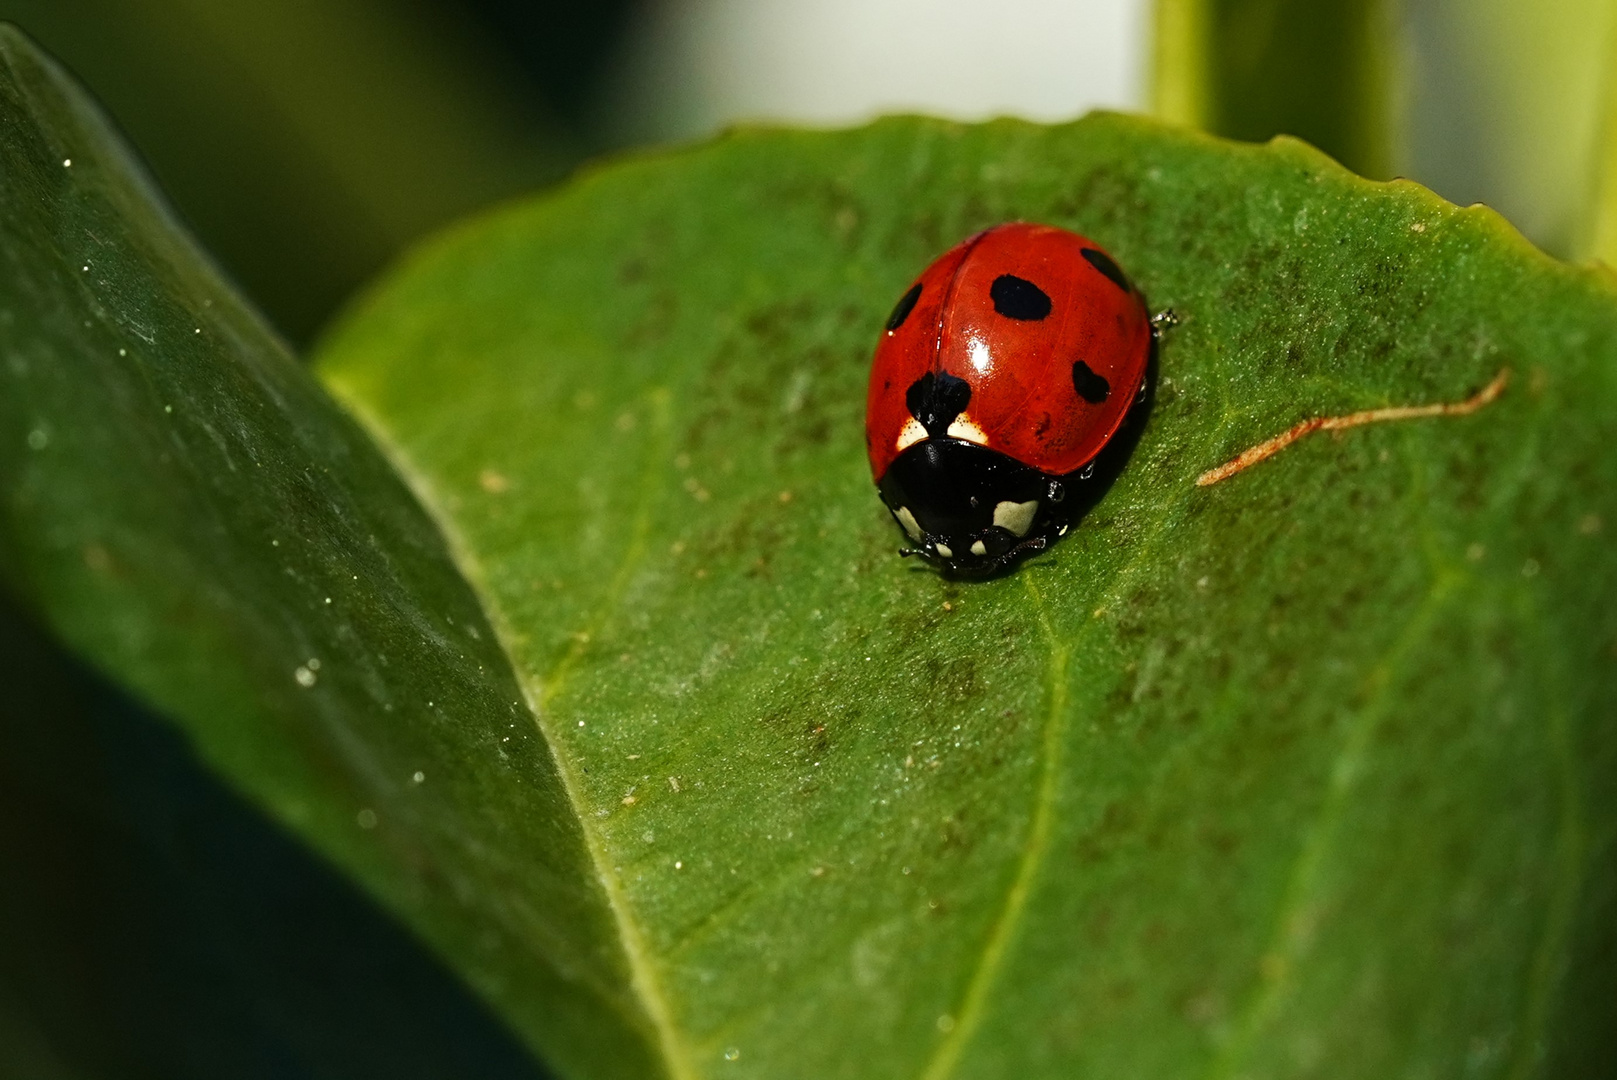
187 508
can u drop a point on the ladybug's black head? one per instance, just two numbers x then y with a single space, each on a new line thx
970 510
935 399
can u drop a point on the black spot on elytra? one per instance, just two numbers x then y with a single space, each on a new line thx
1018 298
1103 262
1092 387
935 399
902 309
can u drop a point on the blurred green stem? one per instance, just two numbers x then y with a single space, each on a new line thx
1498 101
1599 239
1251 69
1508 106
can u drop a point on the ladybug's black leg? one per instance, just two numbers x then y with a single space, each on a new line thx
1162 321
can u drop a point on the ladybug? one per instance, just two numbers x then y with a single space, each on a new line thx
1002 374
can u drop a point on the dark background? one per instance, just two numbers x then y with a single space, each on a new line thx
307 142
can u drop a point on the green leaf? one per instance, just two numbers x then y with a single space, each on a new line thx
1252 69
1304 773
187 508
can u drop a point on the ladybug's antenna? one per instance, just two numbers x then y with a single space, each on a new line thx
1038 543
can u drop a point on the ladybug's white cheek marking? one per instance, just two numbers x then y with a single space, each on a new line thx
1015 516
911 526
964 427
946 551
913 433
979 548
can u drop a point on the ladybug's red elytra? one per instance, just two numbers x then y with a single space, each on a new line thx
1001 375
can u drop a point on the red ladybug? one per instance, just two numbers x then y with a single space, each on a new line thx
1003 372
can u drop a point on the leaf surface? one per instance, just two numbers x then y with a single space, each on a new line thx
1307 772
